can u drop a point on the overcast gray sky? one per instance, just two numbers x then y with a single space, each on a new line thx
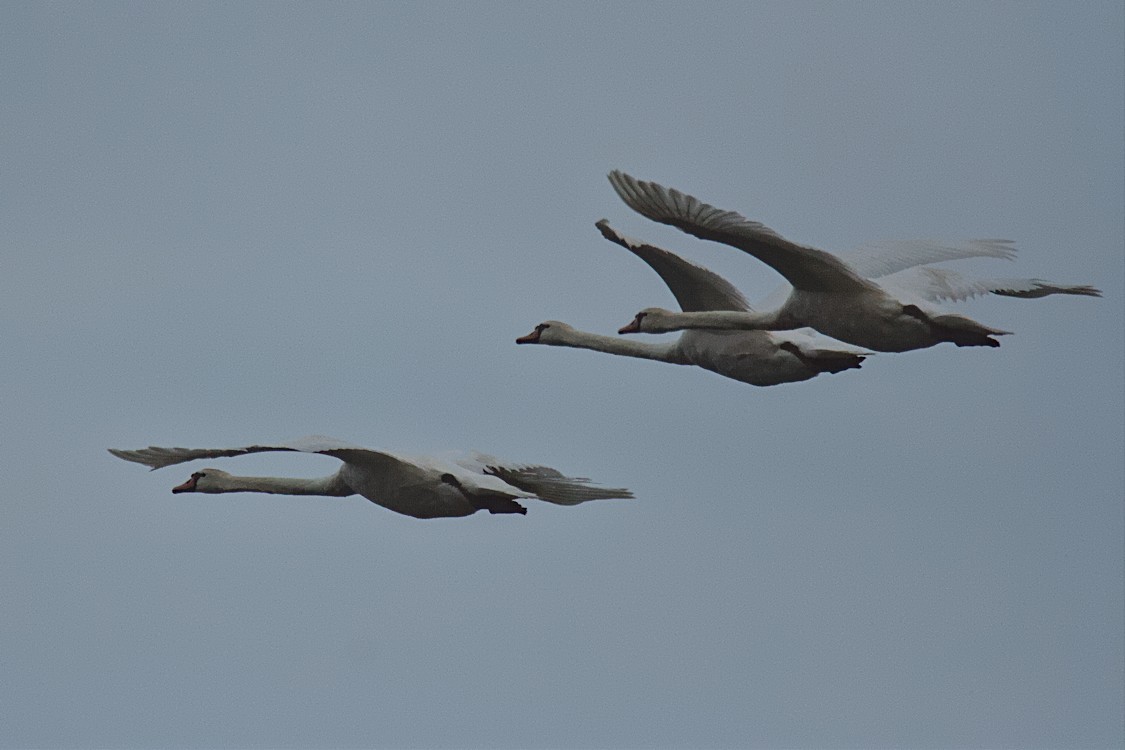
232 223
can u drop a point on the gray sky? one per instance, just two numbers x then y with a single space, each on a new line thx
230 223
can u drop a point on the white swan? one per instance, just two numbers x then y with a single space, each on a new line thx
828 294
754 357
422 487
925 282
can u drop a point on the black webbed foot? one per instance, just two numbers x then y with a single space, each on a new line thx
493 502
506 506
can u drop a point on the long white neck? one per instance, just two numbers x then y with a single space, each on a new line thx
668 352
729 320
331 485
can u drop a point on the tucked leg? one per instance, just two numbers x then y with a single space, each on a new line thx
493 502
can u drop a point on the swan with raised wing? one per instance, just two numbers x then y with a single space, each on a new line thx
422 487
828 294
754 357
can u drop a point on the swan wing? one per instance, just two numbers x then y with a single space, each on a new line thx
694 287
942 284
877 259
156 457
804 267
543 482
1034 288
886 259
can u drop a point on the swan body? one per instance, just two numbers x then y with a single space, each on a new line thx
756 357
422 487
883 323
769 359
828 294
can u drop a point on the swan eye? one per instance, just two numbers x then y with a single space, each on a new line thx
541 327
198 475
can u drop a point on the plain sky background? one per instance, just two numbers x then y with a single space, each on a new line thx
232 223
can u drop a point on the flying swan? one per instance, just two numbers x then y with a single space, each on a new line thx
755 357
422 487
828 294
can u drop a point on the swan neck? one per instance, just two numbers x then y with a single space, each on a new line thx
731 320
664 352
330 485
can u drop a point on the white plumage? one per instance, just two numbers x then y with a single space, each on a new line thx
755 357
831 295
422 487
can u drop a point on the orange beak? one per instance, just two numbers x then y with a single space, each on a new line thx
633 327
188 486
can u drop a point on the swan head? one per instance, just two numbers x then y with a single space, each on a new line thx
547 332
212 481
651 320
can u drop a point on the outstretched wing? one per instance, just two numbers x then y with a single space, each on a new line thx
1034 288
544 482
694 287
804 267
941 284
157 458
877 259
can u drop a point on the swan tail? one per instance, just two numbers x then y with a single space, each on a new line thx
506 506
492 501
964 331
834 362
829 361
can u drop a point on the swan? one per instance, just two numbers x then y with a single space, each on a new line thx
756 357
929 283
828 294
422 487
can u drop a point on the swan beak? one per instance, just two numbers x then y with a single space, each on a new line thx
531 338
188 486
633 327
